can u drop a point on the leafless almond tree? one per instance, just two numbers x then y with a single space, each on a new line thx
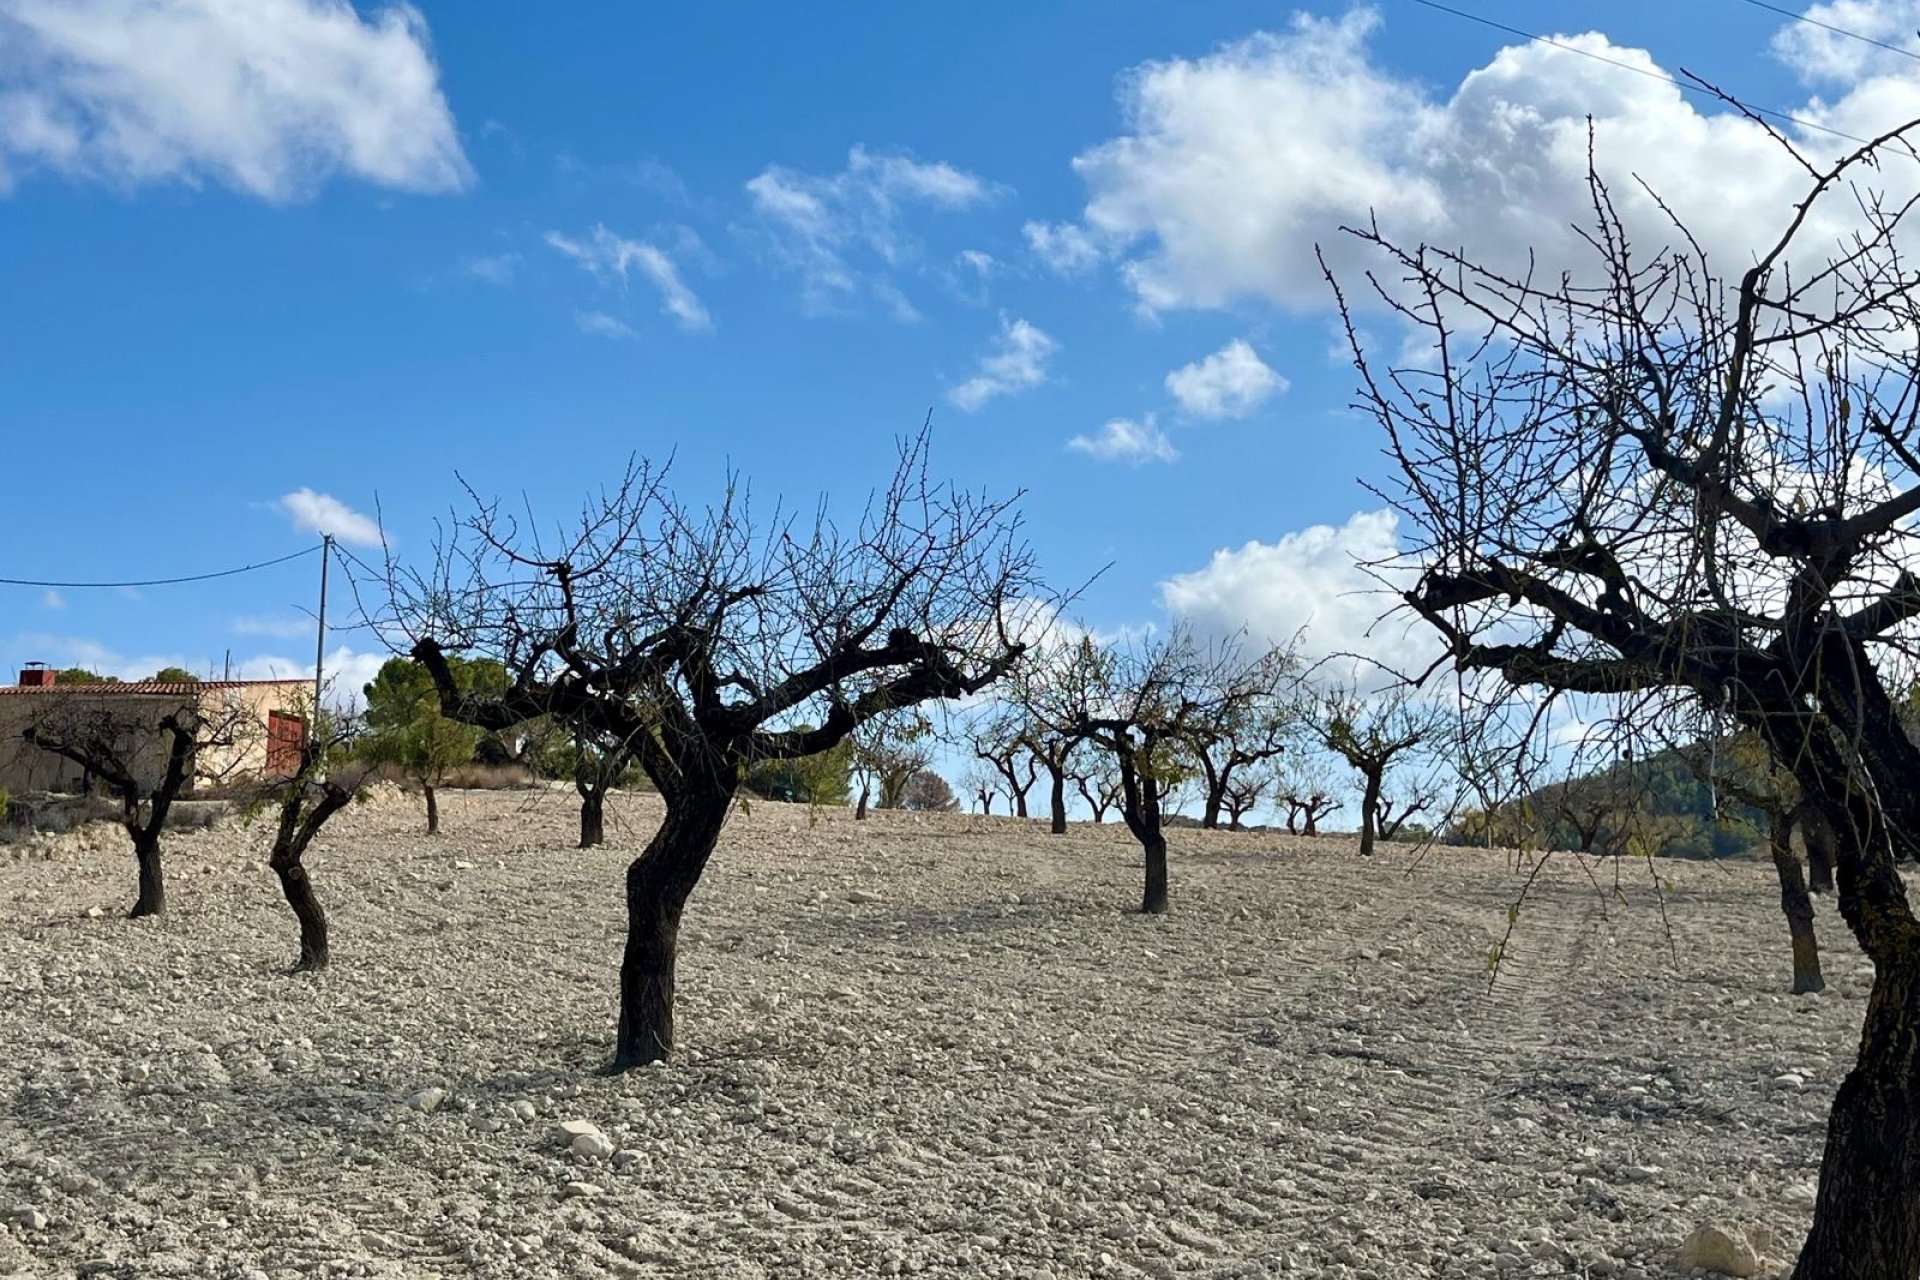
1662 487
1374 733
707 639
146 750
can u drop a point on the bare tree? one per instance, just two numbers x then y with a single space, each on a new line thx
1097 778
324 784
983 785
1655 486
1143 706
1045 696
1374 733
1743 770
147 750
1255 719
999 740
599 762
1247 788
887 751
708 640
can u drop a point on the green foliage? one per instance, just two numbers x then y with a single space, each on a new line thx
817 779
174 675
80 675
1653 807
404 727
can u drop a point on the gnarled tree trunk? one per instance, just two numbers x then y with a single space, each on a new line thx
1866 1223
306 909
1369 815
1154 901
593 819
659 882
433 811
1058 799
152 898
1798 907
860 810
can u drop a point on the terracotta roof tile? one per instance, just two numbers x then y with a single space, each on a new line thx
123 688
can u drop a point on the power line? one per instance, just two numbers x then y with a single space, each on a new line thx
1661 76
160 582
1828 26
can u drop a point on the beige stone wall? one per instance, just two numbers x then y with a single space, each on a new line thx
240 753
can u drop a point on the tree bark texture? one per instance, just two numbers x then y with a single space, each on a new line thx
307 910
433 811
1058 799
659 882
1798 906
152 897
593 820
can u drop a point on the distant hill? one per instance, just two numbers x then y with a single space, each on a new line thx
1657 805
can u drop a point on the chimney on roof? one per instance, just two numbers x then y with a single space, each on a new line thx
35 675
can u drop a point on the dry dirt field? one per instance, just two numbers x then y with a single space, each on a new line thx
937 1046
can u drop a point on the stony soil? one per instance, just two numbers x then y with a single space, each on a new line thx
938 1046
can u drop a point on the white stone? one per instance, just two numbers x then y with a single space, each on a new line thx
428 1099
32 1219
581 1190
595 1146
571 1129
523 1110
139 1072
1725 1250
1788 1082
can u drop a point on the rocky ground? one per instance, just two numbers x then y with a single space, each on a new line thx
938 1046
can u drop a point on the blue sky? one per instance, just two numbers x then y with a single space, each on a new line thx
284 270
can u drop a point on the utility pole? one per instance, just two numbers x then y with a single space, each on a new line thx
320 637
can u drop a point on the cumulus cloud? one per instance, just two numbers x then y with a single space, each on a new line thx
1124 440
271 97
1016 361
1311 583
1231 383
845 233
1236 165
614 258
323 513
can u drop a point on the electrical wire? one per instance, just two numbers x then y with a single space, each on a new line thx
1663 77
160 582
1838 31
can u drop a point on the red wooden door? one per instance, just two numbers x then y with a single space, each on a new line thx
286 736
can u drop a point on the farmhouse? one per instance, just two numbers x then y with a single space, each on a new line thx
261 727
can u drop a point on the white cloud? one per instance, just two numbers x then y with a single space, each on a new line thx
602 325
1818 53
1063 247
1313 579
53 600
612 258
1230 383
494 268
821 226
1017 361
1123 440
1236 165
346 673
269 97
323 513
